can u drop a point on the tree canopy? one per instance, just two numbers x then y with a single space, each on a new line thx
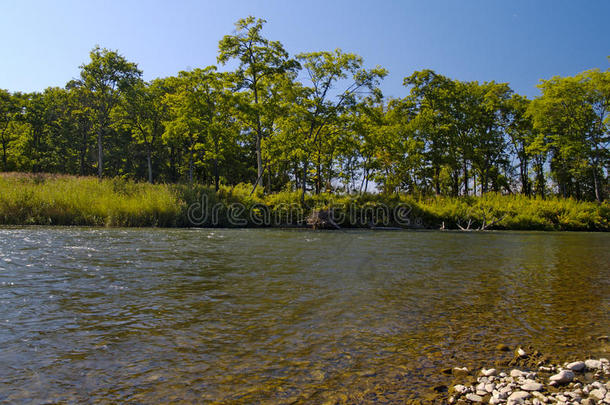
314 122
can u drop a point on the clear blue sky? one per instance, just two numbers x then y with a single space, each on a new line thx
516 41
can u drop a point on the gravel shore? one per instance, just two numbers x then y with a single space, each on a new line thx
531 379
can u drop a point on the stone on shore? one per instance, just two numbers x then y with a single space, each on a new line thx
474 398
576 366
531 385
518 397
491 372
593 364
563 377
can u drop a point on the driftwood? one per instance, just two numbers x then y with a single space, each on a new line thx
322 219
484 226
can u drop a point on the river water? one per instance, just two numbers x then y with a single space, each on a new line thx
284 316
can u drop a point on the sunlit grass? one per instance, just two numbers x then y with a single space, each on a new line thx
69 200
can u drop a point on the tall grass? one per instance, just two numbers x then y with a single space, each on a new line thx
68 200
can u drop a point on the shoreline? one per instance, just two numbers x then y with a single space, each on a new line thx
87 201
530 378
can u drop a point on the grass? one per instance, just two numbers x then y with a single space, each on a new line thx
28 199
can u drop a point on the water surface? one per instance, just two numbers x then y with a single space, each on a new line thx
284 316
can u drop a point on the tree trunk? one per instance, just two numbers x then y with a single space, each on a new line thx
596 185
100 154
216 175
149 162
259 159
437 182
4 162
83 150
466 191
191 159
304 181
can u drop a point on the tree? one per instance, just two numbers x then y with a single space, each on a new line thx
319 109
142 111
201 117
260 62
10 108
105 78
571 119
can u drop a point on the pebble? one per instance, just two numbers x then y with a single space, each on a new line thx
593 364
474 398
563 377
531 385
516 373
518 397
532 388
491 372
597 394
576 366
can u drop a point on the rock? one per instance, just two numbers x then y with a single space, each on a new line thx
576 366
521 352
516 373
518 397
597 394
474 398
593 364
460 389
490 387
460 372
531 385
563 377
587 401
490 372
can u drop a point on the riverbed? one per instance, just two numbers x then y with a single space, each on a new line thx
285 316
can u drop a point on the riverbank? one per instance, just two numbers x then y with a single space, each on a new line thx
531 379
28 199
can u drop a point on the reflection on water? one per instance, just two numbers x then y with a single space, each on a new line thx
284 316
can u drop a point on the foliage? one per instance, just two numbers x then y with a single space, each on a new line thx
313 124
68 200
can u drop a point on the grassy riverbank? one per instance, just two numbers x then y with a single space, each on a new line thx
66 200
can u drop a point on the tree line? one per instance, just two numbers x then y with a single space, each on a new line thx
314 122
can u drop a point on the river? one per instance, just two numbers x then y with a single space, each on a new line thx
284 316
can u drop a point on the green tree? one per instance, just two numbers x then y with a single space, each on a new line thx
260 62
10 109
105 78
